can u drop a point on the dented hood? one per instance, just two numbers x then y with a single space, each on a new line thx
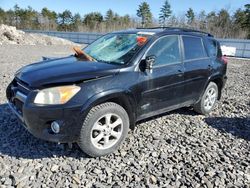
63 70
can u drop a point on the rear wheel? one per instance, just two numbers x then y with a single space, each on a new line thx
208 100
104 129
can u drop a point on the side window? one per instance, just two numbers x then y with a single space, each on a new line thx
166 50
193 48
212 48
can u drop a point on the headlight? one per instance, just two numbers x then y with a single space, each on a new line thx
56 95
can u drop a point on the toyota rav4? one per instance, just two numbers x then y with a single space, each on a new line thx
96 95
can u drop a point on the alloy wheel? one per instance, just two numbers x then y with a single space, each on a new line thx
107 131
210 99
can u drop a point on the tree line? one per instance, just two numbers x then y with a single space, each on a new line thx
222 23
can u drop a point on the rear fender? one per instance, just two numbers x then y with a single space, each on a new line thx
212 78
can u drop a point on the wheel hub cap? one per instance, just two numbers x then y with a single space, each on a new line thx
210 98
107 131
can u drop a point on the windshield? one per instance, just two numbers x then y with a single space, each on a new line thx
116 48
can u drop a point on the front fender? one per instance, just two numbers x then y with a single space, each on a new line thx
125 96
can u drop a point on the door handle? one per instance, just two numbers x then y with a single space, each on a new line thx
210 67
180 73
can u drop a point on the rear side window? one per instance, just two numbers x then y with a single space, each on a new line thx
212 48
166 50
193 48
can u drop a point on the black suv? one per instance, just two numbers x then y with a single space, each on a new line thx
94 96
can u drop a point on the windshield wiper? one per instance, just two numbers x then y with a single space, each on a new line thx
102 61
108 62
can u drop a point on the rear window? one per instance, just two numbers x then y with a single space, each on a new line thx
212 48
193 48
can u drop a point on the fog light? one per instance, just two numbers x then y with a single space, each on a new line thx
55 127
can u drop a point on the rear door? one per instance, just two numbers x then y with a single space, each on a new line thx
197 65
162 87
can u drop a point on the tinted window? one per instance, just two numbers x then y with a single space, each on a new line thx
166 50
193 48
212 48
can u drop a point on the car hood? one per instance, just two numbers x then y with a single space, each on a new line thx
63 70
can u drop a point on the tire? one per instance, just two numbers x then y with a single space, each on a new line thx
104 129
208 99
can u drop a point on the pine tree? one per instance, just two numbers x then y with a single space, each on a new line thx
190 15
165 13
2 16
65 19
93 20
145 14
17 12
76 22
49 18
109 15
246 23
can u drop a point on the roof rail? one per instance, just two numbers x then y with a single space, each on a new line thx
180 29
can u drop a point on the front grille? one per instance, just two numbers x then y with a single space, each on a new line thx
22 87
17 92
18 105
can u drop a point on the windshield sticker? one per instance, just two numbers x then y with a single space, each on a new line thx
141 40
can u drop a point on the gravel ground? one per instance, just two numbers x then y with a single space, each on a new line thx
178 149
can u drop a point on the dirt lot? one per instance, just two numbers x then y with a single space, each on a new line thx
178 149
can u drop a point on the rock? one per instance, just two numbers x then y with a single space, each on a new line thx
20 170
7 182
154 154
153 179
109 170
210 173
200 174
21 185
54 168
209 184
123 153
76 179
21 179
2 169
97 171
247 176
222 175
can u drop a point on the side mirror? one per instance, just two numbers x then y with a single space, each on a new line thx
150 60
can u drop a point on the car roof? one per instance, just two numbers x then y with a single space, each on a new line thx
165 30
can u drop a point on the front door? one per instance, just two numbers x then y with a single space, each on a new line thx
162 87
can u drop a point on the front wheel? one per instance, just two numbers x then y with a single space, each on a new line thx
104 129
208 100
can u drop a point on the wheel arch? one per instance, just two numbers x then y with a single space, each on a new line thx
218 80
118 96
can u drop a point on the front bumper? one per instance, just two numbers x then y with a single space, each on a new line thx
37 119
